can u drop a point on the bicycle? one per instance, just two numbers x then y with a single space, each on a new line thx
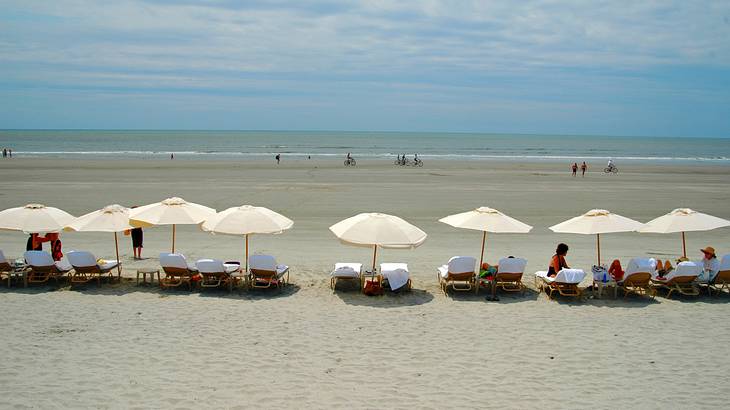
350 162
417 162
611 169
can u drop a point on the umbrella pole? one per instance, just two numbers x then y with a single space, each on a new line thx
684 246
481 260
246 254
119 265
598 247
375 253
173 238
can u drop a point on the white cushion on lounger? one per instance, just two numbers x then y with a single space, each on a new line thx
266 262
83 259
347 270
683 269
512 265
215 266
43 258
175 260
640 265
458 264
2 258
725 263
396 273
571 276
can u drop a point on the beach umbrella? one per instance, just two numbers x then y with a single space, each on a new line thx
376 229
172 211
684 220
246 220
111 218
596 222
486 219
34 218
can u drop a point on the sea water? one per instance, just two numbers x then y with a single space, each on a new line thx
450 146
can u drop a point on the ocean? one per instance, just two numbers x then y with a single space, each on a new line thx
449 146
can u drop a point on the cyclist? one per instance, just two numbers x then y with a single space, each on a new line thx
611 165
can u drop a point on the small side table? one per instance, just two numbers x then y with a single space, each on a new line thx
598 287
146 272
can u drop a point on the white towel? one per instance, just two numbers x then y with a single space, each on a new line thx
396 273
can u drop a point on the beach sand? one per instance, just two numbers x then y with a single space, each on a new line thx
126 346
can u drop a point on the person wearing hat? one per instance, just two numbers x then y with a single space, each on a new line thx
710 263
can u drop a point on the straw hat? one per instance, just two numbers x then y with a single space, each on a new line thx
709 251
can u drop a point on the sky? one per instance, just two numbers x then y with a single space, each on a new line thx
658 68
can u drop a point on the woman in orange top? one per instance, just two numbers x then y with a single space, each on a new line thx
558 261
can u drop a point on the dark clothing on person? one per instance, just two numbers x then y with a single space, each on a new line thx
137 237
29 245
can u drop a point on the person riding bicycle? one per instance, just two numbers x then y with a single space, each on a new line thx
611 165
349 157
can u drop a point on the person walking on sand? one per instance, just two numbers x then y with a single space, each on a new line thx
583 168
137 240
574 168
278 158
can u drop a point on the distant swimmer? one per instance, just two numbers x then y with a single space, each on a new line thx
278 158
574 168
583 168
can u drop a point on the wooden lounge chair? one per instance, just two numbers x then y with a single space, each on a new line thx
395 275
6 269
265 272
637 278
43 268
721 281
177 270
214 273
87 269
509 274
350 271
565 282
459 273
683 279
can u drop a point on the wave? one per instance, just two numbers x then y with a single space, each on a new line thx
385 155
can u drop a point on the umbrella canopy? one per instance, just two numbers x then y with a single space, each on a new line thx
34 218
684 220
246 220
486 219
171 211
596 222
111 218
376 229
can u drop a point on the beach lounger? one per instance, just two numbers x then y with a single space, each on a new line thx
43 268
509 274
565 282
7 269
721 281
86 267
346 271
396 275
459 273
637 278
683 279
214 273
177 270
265 272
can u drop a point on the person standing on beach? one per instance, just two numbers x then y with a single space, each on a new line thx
583 168
35 243
278 158
10 152
55 241
5 152
575 168
172 155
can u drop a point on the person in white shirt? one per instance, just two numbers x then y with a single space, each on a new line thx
710 264
610 163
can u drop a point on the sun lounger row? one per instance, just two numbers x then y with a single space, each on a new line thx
263 272
77 267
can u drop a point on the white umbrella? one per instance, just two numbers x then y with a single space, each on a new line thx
376 229
684 220
111 218
246 220
486 219
171 211
34 218
596 222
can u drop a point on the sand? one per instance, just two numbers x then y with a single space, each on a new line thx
129 346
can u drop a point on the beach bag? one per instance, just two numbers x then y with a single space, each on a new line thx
373 288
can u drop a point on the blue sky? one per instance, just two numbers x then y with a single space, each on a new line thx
580 67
